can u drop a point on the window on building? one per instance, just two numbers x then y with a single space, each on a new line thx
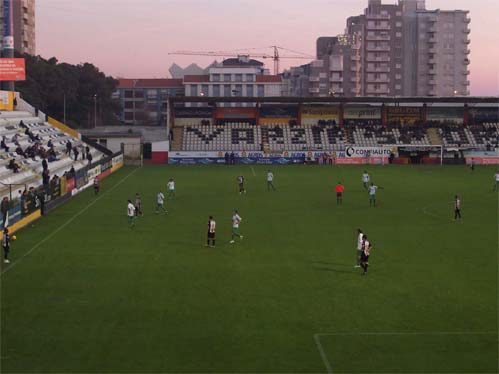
261 90
216 77
128 94
227 77
128 104
250 77
398 66
128 116
194 89
216 90
398 24
398 13
249 90
398 87
205 90
398 34
238 90
227 92
239 77
138 93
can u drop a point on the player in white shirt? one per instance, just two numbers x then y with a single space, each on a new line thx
496 185
131 214
270 181
365 179
236 220
212 226
160 200
171 188
372 194
360 239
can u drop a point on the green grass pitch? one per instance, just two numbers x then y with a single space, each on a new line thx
84 293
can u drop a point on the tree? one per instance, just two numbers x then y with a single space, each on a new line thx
84 88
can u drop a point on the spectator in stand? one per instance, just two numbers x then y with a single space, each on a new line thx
69 147
21 124
227 158
20 151
15 103
87 151
3 144
45 179
50 144
89 158
76 153
45 164
55 180
4 208
52 156
14 138
13 166
232 158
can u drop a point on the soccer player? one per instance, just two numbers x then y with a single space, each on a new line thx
472 164
360 240
496 184
372 194
131 214
138 205
366 252
171 188
240 181
212 226
236 220
160 200
96 185
6 245
365 179
270 181
339 193
457 207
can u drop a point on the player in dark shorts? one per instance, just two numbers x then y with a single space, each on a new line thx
457 207
212 226
96 185
240 181
6 245
339 193
366 251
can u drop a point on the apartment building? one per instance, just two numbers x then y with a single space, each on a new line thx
23 24
399 49
144 101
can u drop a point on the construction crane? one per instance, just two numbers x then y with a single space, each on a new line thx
275 56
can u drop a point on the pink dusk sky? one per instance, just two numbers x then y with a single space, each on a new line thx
132 38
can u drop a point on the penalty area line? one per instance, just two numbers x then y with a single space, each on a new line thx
53 233
327 363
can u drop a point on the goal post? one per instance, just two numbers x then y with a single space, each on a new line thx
435 151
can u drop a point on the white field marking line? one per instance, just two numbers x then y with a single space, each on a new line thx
327 364
322 353
253 170
67 223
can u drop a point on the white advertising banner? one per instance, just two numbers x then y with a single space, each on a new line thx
365 152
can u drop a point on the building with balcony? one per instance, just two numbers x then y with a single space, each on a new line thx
234 77
23 17
399 49
144 101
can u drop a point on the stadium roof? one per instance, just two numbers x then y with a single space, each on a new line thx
149 83
338 100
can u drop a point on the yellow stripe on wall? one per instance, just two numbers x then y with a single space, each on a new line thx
61 126
25 221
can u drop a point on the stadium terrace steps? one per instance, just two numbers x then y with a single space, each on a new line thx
275 137
30 169
176 144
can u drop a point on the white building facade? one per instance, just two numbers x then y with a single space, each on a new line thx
234 77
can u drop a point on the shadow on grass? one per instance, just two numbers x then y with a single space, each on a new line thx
335 270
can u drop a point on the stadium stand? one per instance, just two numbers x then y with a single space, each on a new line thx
26 141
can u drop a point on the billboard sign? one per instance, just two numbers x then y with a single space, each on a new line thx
12 69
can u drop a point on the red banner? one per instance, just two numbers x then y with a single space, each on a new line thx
12 69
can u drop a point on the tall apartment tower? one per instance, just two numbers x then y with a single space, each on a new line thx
23 25
399 49
408 50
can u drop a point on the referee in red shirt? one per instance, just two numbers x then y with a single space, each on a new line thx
339 193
